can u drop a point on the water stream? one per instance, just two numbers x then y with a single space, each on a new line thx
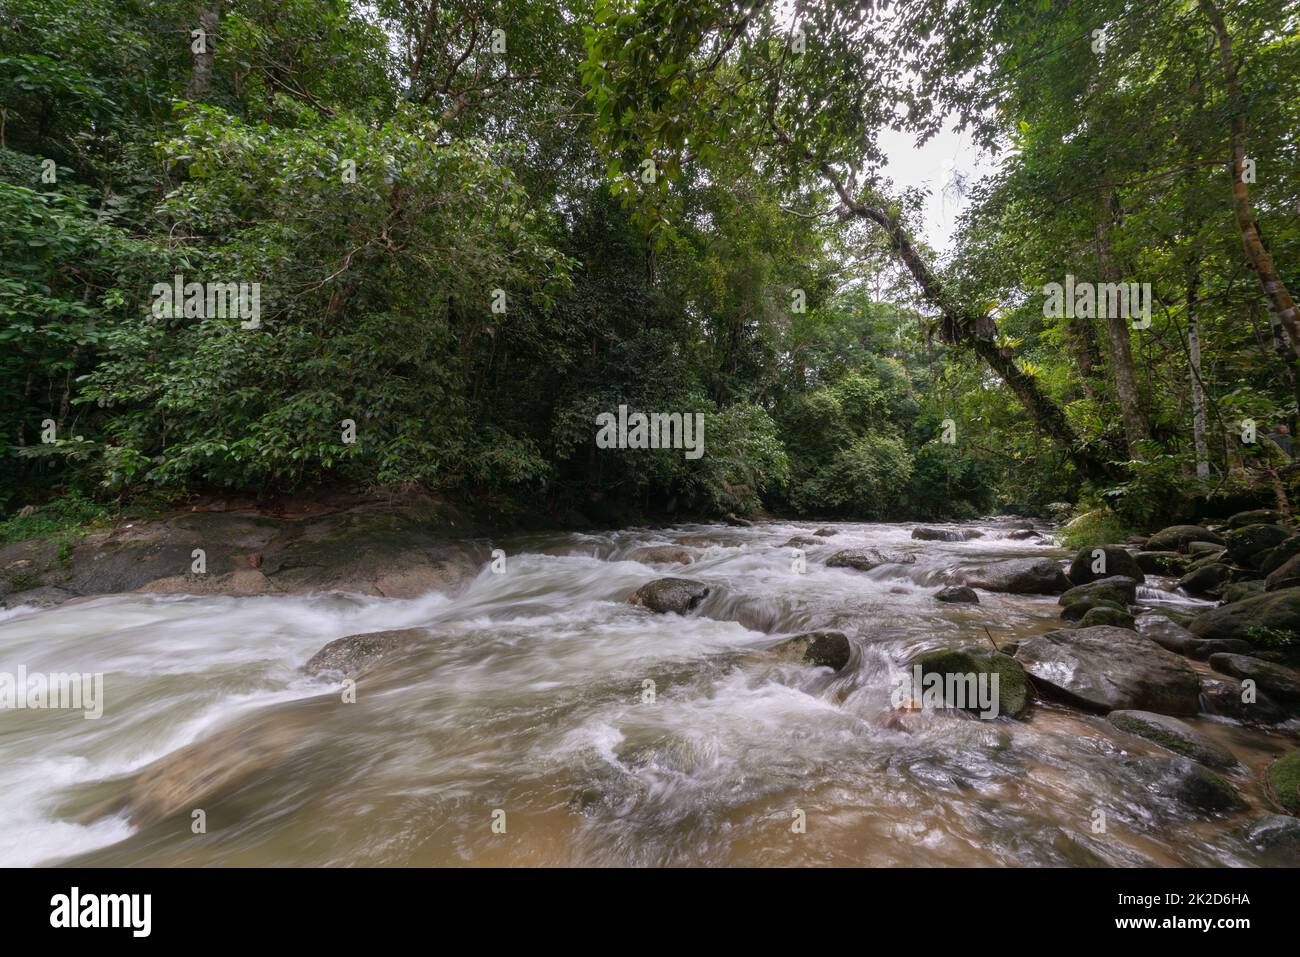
529 697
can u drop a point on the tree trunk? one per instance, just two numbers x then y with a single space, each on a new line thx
1121 350
201 73
1198 388
1279 297
979 331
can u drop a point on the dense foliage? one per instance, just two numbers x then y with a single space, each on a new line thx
476 226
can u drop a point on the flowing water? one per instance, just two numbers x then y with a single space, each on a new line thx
528 705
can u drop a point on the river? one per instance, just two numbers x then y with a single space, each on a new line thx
522 729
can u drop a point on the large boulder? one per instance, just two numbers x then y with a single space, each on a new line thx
865 559
959 594
1106 615
1273 611
1161 563
1258 516
1117 591
1278 555
1240 591
1244 544
1175 735
1286 575
1104 561
355 655
1105 668
1185 781
1012 688
1174 637
661 555
1206 580
1284 782
1227 697
664 595
1021 576
822 649
937 535
1277 681
1176 538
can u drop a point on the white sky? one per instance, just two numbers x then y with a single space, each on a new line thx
932 166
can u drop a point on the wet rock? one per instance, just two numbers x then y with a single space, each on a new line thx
1022 534
1112 559
1174 735
1184 618
661 555
1106 615
243 583
354 655
1161 563
1272 611
1239 591
1176 538
1021 576
1276 836
1206 580
1204 548
677 595
1284 782
1166 633
737 521
823 649
827 532
802 541
1104 668
958 593
1227 698
1243 544
1258 516
1286 575
1012 688
937 534
865 559
1116 591
1277 556
1185 781
1276 680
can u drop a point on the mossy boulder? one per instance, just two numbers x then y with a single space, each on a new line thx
1176 538
1103 615
1119 590
1239 591
1185 781
1161 563
822 649
1284 782
1104 561
1173 735
1278 555
1227 697
1286 575
1244 544
1205 580
1012 687
1274 611
1276 836
1257 516
865 559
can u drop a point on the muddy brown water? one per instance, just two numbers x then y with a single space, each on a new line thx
527 706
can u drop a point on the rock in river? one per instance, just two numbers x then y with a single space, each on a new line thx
680 595
1176 538
865 559
354 655
1104 561
958 594
825 649
1021 576
1272 611
1105 668
1277 680
1173 734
